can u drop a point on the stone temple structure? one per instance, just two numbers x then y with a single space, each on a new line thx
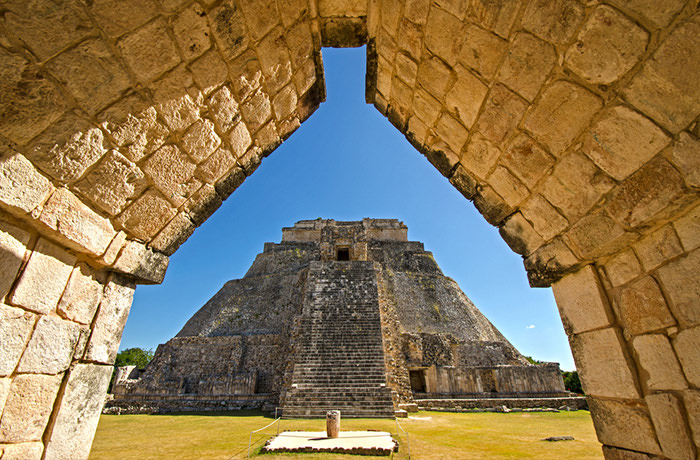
571 125
339 315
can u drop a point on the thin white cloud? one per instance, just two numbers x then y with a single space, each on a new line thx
531 326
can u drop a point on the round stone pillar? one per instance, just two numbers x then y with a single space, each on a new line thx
332 423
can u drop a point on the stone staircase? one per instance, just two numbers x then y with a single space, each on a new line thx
339 357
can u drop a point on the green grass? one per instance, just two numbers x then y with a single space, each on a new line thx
432 436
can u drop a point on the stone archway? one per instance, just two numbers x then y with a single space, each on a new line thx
573 127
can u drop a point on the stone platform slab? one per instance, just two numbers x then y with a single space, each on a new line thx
348 442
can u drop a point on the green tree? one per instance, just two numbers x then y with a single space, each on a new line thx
134 357
572 382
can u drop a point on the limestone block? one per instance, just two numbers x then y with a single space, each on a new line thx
549 262
30 102
200 140
116 17
434 76
610 376
642 307
203 204
664 89
355 8
425 106
147 215
384 71
658 247
22 451
91 73
686 155
656 358
246 75
67 148
112 183
191 30
501 114
267 138
173 235
230 182
482 50
77 416
562 112
257 110
598 234
79 226
142 263
15 328
674 436
682 286
22 188
149 51
113 249
274 60
218 164
658 13
261 16
518 233
464 182
28 407
624 424
209 71
527 160
442 157
132 124
44 278
508 186
582 302
291 10
691 398
82 295
391 13
172 5
410 39
451 132
59 25
527 65
417 133
441 32
171 170
175 104
406 69
575 185
555 21
688 229
4 392
686 344
417 11
239 139
623 268
496 16
110 320
622 140
491 206
544 218
654 191
50 350
480 156
13 245
224 108
607 46
285 102
466 96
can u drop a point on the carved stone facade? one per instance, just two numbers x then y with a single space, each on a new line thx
572 126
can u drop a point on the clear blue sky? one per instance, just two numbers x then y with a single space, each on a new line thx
347 162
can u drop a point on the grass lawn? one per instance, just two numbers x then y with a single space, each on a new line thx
432 436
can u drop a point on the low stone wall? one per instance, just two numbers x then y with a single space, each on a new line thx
160 404
572 402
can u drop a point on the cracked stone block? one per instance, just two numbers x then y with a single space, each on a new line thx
544 218
15 328
28 407
500 114
50 349
682 286
79 226
642 307
200 140
624 424
482 50
146 216
246 75
553 20
191 30
686 344
561 114
218 164
13 246
171 170
30 103
149 51
116 17
82 295
91 73
658 247
607 47
174 103
142 263
612 377
112 183
664 89
257 110
622 141
582 301
22 187
132 124
239 139
274 60
434 76
77 417
674 435
67 148
110 320
549 263
440 33
466 97
44 278
22 451
623 268
686 155
224 108
655 356
174 234
527 64
209 71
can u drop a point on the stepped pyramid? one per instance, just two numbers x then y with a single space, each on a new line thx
340 315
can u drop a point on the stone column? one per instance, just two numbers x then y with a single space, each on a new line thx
332 423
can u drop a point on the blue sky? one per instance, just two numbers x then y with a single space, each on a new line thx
347 162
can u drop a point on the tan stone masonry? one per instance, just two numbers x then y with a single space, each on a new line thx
571 125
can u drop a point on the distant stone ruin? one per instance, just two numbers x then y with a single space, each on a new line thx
339 315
